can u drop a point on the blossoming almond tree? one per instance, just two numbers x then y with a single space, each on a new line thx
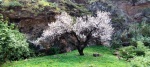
80 31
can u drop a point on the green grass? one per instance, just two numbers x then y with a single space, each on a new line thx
72 59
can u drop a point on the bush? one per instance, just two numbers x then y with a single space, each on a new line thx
13 45
135 32
127 52
140 61
140 32
131 51
142 28
138 35
11 3
120 34
116 39
43 3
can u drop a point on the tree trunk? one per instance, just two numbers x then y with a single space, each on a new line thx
80 50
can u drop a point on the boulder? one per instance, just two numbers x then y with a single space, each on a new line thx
96 55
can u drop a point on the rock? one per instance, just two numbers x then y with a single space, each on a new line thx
133 12
126 44
96 55
116 53
117 48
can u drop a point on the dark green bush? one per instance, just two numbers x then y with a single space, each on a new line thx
127 52
141 61
135 32
140 32
54 50
132 51
142 28
116 41
13 45
138 36
120 35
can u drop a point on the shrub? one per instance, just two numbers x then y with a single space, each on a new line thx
140 61
43 3
142 28
13 44
132 51
127 52
14 4
120 35
11 3
137 53
140 32
135 32
116 39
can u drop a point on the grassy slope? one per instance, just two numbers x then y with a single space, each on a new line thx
72 59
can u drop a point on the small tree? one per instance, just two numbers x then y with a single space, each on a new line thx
81 31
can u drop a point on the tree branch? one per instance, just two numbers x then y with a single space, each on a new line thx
71 40
88 38
74 34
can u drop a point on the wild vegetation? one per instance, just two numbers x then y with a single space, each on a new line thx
138 50
13 45
72 59
68 33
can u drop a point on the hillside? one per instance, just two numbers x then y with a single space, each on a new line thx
72 59
67 33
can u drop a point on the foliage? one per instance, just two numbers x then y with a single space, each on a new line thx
140 29
121 33
53 4
32 5
7 3
116 40
135 32
43 3
127 52
13 44
55 50
140 61
137 35
91 1
74 6
71 59
139 49
140 32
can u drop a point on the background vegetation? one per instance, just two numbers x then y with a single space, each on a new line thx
13 45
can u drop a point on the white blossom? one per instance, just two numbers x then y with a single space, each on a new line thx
101 23
100 26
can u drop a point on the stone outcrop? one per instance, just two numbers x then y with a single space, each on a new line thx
135 13
30 24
